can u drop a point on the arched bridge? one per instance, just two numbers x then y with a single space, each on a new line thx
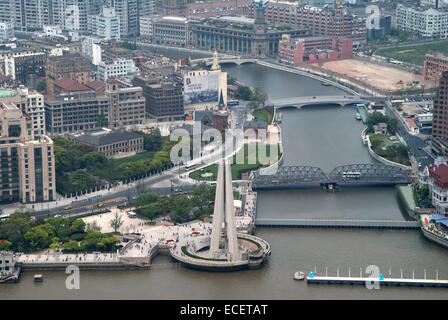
353 175
225 59
299 102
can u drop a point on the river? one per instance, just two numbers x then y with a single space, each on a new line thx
321 136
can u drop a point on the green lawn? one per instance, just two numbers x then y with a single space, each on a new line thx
263 114
237 169
413 54
147 155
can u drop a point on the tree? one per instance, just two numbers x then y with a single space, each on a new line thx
78 226
94 226
141 187
38 237
422 196
181 208
244 93
378 117
145 199
153 141
116 222
202 195
41 86
231 80
152 211
71 246
101 120
5 244
259 96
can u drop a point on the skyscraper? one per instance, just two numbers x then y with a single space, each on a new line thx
128 12
440 117
27 164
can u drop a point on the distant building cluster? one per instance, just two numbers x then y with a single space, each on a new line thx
81 68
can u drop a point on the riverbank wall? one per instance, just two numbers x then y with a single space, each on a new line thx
314 75
405 194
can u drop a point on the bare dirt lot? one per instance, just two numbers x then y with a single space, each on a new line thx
379 76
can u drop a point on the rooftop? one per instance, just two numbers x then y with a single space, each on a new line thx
105 136
439 174
5 93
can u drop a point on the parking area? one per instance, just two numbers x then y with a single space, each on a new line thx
410 107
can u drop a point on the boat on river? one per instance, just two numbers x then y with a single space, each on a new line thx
299 275
38 278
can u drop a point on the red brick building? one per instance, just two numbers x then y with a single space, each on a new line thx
435 64
314 50
321 22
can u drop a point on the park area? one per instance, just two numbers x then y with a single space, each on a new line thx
413 54
249 152
390 148
378 76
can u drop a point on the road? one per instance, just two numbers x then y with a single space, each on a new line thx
418 146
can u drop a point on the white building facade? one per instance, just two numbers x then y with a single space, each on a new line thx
425 22
7 263
35 109
118 68
147 26
6 31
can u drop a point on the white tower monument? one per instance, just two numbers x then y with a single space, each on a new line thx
224 217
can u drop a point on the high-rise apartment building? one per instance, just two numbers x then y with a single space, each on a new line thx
30 15
147 7
171 8
440 117
128 12
27 165
425 22
105 25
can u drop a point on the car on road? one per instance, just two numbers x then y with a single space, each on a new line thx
419 148
68 208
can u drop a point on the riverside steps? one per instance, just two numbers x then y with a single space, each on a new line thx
313 279
336 223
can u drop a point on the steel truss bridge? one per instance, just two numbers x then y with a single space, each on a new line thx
352 175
